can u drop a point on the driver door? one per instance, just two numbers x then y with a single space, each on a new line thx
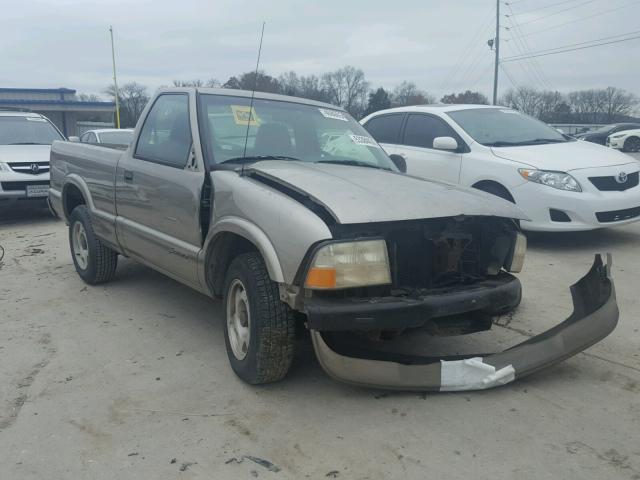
158 188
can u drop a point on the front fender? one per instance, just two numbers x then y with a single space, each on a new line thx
250 232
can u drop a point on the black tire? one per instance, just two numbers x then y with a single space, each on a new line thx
101 261
495 189
271 323
631 144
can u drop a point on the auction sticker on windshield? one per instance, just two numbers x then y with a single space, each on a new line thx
242 116
366 141
335 114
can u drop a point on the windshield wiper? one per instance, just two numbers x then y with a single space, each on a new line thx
353 163
535 141
27 143
257 158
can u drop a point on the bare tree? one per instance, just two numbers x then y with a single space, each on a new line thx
212 82
524 99
616 101
348 88
132 97
407 93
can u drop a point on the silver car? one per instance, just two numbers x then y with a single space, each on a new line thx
288 211
25 145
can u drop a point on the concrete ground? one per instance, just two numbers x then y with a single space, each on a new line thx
131 380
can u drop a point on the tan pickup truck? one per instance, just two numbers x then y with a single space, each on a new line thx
290 212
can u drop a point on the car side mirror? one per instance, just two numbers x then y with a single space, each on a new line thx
74 139
445 143
399 162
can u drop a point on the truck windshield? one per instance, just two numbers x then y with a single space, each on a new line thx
286 129
18 130
503 127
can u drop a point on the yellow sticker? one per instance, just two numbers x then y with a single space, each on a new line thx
242 116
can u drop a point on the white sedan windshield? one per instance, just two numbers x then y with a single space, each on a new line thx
503 127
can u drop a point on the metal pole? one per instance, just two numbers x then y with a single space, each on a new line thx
115 81
497 45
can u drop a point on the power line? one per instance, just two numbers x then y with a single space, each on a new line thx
558 12
542 8
519 40
509 77
471 46
603 12
544 53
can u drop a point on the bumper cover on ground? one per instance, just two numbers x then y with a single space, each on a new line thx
595 315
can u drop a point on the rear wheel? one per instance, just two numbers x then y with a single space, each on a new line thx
259 328
632 144
94 261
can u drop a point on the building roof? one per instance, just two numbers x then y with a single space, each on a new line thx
37 90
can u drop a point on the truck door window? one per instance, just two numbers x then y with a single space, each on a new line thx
166 134
385 128
420 131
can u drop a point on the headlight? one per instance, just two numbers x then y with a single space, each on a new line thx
4 167
516 262
559 180
618 136
349 264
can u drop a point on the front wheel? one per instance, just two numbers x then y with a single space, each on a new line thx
632 144
94 261
259 328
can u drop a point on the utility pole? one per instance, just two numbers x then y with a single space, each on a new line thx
497 50
115 81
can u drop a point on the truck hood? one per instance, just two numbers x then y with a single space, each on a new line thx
24 153
563 156
362 195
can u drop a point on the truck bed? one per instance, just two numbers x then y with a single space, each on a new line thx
93 166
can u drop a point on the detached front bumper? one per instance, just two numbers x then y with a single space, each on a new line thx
595 315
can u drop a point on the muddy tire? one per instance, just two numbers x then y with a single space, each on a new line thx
259 329
94 261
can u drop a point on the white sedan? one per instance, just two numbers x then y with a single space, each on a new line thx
627 141
561 184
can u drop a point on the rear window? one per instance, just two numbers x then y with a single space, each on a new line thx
27 131
116 138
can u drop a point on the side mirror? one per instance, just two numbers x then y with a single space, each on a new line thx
74 139
445 143
399 162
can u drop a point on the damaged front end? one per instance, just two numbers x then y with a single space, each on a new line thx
594 316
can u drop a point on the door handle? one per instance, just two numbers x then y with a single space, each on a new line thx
128 175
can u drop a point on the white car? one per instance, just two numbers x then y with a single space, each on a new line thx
627 141
561 184
25 145
111 136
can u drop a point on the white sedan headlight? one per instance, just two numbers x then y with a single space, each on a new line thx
4 167
618 136
349 264
559 180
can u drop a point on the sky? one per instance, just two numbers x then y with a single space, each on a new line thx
439 45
